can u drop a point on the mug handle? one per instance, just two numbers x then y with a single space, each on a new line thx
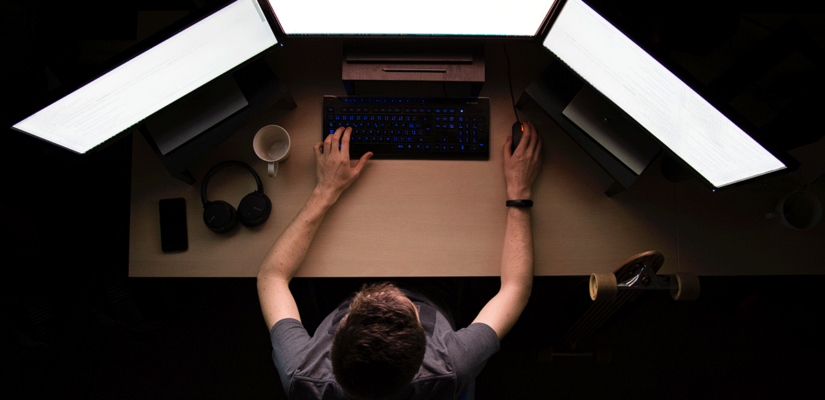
272 169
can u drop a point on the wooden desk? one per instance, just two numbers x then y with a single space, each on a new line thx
446 218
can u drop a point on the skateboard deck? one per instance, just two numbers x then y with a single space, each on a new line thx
597 313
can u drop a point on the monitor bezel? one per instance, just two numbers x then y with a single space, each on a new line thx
124 57
692 82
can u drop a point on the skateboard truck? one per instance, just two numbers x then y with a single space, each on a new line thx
682 286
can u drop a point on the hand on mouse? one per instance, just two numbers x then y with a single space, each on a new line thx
522 166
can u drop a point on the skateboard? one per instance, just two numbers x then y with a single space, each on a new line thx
610 291
639 273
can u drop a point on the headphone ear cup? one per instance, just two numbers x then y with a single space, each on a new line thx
220 216
254 209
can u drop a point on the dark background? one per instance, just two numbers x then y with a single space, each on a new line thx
74 326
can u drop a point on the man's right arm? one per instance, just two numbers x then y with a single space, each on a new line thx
334 174
520 172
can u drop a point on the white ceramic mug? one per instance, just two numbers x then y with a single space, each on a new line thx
799 210
272 144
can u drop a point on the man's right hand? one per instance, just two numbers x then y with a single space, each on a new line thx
522 167
333 171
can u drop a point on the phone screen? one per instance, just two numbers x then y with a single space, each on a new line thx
173 233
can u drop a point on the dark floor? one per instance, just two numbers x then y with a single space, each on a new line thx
73 326
745 337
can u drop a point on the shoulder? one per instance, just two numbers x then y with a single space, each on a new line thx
477 342
289 341
309 371
469 349
453 358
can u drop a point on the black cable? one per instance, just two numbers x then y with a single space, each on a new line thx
812 183
816 180
510 81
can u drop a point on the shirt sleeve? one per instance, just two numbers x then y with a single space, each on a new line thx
469 351
289 341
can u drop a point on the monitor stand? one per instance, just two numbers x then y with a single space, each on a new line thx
182 121
186 129
617 144
608 126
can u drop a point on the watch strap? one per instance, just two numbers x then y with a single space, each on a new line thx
520 203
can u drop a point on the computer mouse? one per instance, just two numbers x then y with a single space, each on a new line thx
518 130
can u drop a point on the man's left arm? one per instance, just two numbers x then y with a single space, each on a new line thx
334 174
521 169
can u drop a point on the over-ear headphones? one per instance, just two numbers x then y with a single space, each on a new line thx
221 217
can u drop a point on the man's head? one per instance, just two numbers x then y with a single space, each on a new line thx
379 345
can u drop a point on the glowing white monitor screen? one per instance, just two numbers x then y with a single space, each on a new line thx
653 96
420 17
154 79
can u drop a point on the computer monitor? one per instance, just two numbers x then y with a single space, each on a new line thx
146 83
423 48
695 131
419 18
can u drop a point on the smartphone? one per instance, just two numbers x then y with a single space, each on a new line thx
173 233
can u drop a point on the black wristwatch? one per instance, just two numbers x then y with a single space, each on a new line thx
520 203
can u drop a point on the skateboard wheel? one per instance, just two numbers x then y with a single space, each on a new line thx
687 287
603 287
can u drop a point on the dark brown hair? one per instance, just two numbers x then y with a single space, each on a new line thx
379 345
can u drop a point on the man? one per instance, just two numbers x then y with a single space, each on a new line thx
386 342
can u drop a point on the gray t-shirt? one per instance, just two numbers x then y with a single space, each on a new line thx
452 360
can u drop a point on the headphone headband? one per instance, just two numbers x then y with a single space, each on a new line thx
223 165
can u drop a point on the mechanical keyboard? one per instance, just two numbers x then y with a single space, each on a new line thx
412 128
